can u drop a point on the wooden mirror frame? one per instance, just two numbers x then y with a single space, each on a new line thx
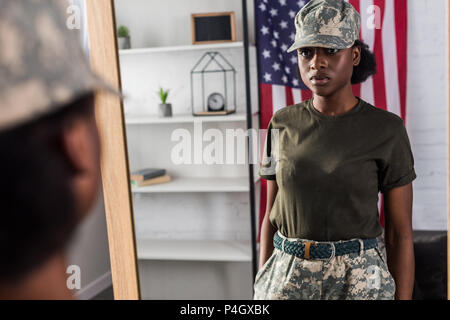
116 189
114 164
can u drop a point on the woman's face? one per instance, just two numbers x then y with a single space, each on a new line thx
325 70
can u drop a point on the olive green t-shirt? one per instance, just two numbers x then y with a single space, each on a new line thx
329 169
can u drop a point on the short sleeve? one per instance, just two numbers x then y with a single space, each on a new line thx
268 162
397 165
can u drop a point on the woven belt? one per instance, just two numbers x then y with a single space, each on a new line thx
322 250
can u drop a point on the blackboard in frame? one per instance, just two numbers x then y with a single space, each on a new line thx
213 27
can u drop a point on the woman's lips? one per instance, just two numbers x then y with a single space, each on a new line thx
320 81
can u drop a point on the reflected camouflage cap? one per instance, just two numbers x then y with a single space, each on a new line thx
42 64
327 24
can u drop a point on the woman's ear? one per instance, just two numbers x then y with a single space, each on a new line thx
356 55
81 149
75 145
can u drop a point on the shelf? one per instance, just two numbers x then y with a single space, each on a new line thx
180 118
194 250
178 49
187 184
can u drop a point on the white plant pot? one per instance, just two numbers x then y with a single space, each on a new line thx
124 43
165 110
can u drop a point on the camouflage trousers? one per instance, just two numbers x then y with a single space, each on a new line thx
356 276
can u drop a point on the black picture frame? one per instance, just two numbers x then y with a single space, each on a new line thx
213 27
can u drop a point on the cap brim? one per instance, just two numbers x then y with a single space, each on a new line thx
321 41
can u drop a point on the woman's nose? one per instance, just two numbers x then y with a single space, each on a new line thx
318 60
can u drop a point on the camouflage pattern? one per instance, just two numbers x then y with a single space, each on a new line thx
327 24
382 246
353 276
42 64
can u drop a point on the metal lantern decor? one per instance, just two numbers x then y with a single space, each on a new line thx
213 86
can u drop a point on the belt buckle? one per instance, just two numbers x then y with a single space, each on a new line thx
333 251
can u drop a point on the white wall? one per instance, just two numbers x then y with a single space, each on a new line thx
427 110
149 28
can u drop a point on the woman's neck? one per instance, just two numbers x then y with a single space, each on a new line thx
46 283
339 103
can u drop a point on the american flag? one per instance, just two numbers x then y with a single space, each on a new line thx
383 29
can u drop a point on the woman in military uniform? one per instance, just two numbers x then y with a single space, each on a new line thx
325 161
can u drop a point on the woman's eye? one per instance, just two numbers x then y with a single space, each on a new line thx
333 51
304 52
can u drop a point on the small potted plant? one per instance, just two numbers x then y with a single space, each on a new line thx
123 34
165 109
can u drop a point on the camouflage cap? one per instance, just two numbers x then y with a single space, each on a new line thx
327 24
42 64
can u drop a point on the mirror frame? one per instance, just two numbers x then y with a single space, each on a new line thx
115 176
114 164
448 139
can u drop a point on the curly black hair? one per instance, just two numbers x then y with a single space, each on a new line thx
367 66
37 205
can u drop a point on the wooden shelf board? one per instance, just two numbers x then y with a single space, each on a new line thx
184 118
188 184
177 49
194 250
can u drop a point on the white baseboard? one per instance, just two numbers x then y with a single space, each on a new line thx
95 287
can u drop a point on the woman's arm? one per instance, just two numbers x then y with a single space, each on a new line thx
267 229
399 239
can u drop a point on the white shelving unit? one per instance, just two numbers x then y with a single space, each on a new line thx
194 250
218 195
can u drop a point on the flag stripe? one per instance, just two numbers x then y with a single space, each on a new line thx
368 36
306 94
278 97
378 80
266 111
289 96
401 31
266 106
297 95
390 59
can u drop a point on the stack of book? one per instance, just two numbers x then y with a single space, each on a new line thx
149 176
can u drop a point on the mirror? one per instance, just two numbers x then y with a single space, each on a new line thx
185 110
197 232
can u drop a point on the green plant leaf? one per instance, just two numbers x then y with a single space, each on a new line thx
123 32
163 95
